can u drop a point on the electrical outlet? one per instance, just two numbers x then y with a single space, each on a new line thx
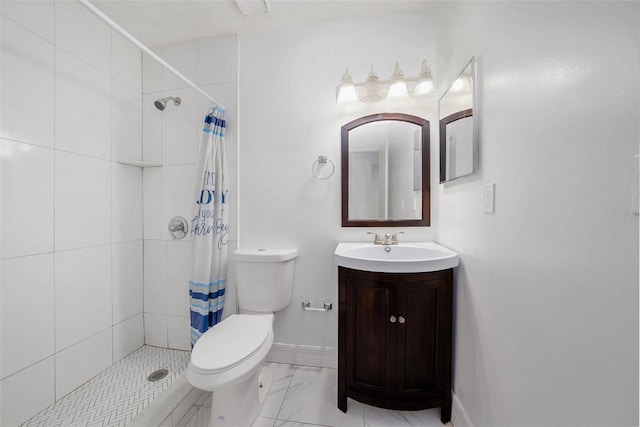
488 198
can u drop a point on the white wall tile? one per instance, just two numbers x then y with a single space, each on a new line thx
82 294
81 362
177 194
126 205
27 392
26 282
83 108
36 16
27 86
27 199
218 59
151 73
155 329
178 332
180 132
152 202
126 123
155 282
128 336
151 129
126 62
83 35
127 279
184 58
227 95
179 267
83 201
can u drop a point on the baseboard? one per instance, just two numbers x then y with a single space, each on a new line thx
459 417
306 355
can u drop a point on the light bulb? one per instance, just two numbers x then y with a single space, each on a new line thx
346 91
398 88
424 86
372 89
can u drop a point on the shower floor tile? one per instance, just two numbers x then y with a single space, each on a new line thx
115 396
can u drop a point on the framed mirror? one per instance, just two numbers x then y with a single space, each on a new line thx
385 171
458 126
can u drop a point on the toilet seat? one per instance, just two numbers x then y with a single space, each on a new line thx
230 343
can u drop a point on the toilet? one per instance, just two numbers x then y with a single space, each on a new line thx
228 359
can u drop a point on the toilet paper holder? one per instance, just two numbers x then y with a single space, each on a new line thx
306 306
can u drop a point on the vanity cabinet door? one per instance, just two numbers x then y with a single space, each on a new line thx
369 364
424 308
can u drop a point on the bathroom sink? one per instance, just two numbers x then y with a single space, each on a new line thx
410 257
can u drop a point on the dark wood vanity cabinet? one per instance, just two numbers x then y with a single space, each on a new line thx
394 339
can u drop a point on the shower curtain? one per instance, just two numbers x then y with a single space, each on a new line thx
209 228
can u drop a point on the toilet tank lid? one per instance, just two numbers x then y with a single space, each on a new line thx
264 255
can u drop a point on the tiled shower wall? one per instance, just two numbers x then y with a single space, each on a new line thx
171 139
72 263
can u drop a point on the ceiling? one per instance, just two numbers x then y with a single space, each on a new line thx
161 22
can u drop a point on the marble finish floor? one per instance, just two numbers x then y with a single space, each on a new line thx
303 396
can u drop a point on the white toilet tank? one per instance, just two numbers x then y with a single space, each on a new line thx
264 278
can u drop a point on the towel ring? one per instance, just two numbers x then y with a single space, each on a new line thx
323 160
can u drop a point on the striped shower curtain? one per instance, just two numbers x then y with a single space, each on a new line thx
209 228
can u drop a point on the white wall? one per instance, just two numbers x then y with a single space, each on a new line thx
546 296
289 117
171 138
71 214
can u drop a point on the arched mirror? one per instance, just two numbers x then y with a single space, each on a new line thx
385 171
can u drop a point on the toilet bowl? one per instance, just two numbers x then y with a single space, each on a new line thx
235 374
228 359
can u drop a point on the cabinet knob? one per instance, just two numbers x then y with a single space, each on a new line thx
401 319
392 319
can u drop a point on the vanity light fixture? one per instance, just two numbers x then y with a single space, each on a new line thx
397 87
346 89
424 85
372 88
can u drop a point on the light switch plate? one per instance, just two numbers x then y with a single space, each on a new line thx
635 199
488 198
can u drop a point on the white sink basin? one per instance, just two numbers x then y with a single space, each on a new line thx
410 257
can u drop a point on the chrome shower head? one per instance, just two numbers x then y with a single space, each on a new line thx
162 103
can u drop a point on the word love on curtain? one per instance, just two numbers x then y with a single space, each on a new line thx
209 228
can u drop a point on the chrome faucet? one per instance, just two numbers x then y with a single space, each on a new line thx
387 239
377 240
394 238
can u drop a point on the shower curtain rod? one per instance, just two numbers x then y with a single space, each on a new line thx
145 49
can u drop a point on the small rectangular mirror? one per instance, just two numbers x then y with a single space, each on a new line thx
459 126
